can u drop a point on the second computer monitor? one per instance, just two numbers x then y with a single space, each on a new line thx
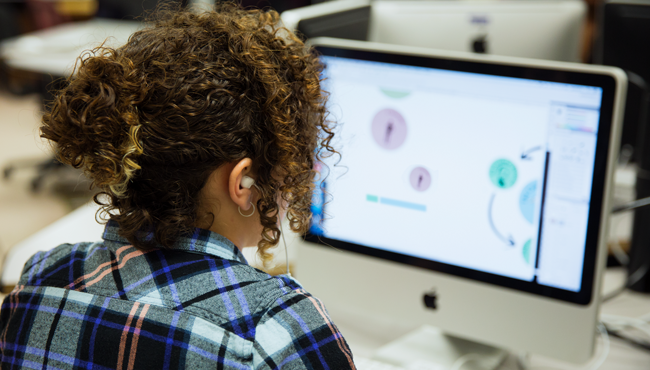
532 29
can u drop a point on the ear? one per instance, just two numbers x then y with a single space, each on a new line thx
240 195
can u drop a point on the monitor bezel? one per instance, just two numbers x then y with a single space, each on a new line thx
530 71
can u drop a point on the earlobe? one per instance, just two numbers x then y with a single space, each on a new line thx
248 215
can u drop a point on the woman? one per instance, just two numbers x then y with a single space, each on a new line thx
202 131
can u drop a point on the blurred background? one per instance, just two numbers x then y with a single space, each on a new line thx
40 39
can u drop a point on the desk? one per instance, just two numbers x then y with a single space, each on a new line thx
366 334
55 50
77 226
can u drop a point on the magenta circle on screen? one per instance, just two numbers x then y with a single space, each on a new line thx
420 179
389 129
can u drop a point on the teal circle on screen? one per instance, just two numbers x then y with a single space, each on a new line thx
503 173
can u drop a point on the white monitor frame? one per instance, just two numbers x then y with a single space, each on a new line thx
466 308
549 30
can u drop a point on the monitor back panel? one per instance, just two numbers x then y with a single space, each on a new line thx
531 29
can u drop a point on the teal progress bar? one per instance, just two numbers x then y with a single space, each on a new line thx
396 203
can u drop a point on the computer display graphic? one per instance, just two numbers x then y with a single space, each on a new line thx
503 173
527 201
454 168
450 178
389 129
505 237
395 94
420 179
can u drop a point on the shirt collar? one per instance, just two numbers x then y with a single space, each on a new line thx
201 241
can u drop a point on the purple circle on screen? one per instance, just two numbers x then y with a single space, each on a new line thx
389 129
420 179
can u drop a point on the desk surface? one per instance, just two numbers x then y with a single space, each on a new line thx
55 50
365 334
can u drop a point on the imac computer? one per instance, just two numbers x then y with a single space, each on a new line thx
471 194
347 19
532 29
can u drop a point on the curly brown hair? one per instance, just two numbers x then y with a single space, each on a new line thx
151 120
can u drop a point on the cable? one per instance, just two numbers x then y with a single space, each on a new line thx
626 154
286 251
620 255
462 360
631 280
522 360
618 252
615 324
631 205
284 241
631 341
618 323
606 344
640 272
637 275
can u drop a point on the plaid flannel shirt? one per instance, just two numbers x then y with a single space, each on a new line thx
107 305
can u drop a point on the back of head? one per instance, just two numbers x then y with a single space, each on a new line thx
150 121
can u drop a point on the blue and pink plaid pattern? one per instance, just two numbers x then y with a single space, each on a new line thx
107 305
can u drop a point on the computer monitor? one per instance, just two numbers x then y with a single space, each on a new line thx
348 19
531 29
471 194
624 36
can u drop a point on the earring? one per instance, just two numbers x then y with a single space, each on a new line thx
244 214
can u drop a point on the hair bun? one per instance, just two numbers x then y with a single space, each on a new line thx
94 123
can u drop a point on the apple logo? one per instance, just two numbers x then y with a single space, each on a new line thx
430 300
480 44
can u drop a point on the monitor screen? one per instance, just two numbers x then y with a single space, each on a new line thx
480 175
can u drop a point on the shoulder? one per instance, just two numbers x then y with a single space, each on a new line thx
296 331
46 263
